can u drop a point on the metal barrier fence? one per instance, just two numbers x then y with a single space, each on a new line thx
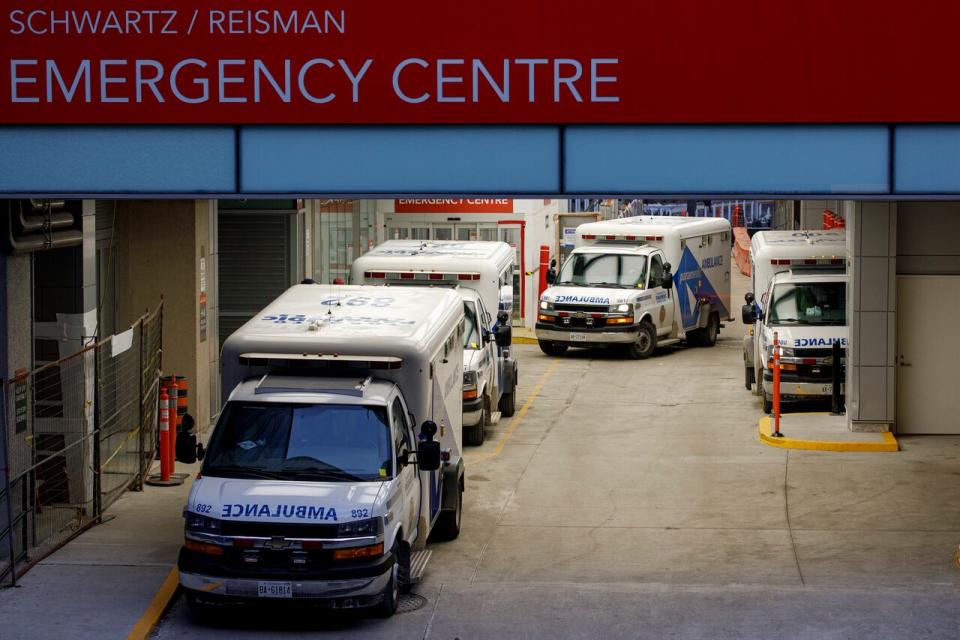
79 433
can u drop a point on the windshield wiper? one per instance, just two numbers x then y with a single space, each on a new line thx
234 469
616 285
786 320
569 284
317 473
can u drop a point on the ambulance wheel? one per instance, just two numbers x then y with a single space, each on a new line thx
748 378
448 523
508 403
552 348
391 593
709 336
646 342
767 404
475 435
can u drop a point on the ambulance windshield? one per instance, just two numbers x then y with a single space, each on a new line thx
325 442
603 270
809 303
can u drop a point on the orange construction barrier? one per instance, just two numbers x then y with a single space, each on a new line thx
741 250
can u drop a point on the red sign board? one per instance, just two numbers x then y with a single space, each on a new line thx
454 205
437 61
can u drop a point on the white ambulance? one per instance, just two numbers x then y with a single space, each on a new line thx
337 452
482 273
639 283
801 279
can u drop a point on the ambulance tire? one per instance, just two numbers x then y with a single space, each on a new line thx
475 435
767 404
748 378
552 348
508 403
706 337
391 593
646 343
711 332
448 522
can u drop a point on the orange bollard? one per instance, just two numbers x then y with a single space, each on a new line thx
544 266
776 386
174 399
166 461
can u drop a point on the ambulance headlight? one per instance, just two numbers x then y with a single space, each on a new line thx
546 305
470 378
359 528
621 308
197 523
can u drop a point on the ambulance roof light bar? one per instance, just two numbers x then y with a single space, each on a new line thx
809 262
624 237
419 275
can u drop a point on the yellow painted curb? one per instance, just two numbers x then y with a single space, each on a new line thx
157 607
764 430
524 340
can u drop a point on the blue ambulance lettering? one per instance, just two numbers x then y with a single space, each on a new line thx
584 299
818 342
713 261
297 511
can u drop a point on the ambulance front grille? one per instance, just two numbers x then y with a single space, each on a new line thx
277 529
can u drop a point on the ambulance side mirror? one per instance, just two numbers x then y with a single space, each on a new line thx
428 450
748 312
504 335
667 282
552 272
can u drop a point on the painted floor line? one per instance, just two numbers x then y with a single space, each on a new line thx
157 607
764 430
517 419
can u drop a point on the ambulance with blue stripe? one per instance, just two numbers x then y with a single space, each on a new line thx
639 283
337 453
798 295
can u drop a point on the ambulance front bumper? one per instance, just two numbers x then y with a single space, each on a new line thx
800 389
584 336
346 592
472 411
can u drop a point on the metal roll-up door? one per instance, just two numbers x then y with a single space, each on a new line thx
255 263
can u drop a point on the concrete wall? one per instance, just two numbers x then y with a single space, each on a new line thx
160 245
927 238
871 309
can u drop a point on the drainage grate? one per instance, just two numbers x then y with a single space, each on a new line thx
410 602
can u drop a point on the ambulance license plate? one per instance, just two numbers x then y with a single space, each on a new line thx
827 389
275 589
578 337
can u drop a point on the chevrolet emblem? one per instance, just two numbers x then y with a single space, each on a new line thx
277 543
581 314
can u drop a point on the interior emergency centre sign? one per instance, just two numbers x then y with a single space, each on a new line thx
505 61
454 205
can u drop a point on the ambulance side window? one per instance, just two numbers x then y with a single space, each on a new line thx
656 272
401 434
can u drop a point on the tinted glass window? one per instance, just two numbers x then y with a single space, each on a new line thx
335 442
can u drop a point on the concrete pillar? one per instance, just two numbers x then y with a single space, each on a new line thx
871 309
161 243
